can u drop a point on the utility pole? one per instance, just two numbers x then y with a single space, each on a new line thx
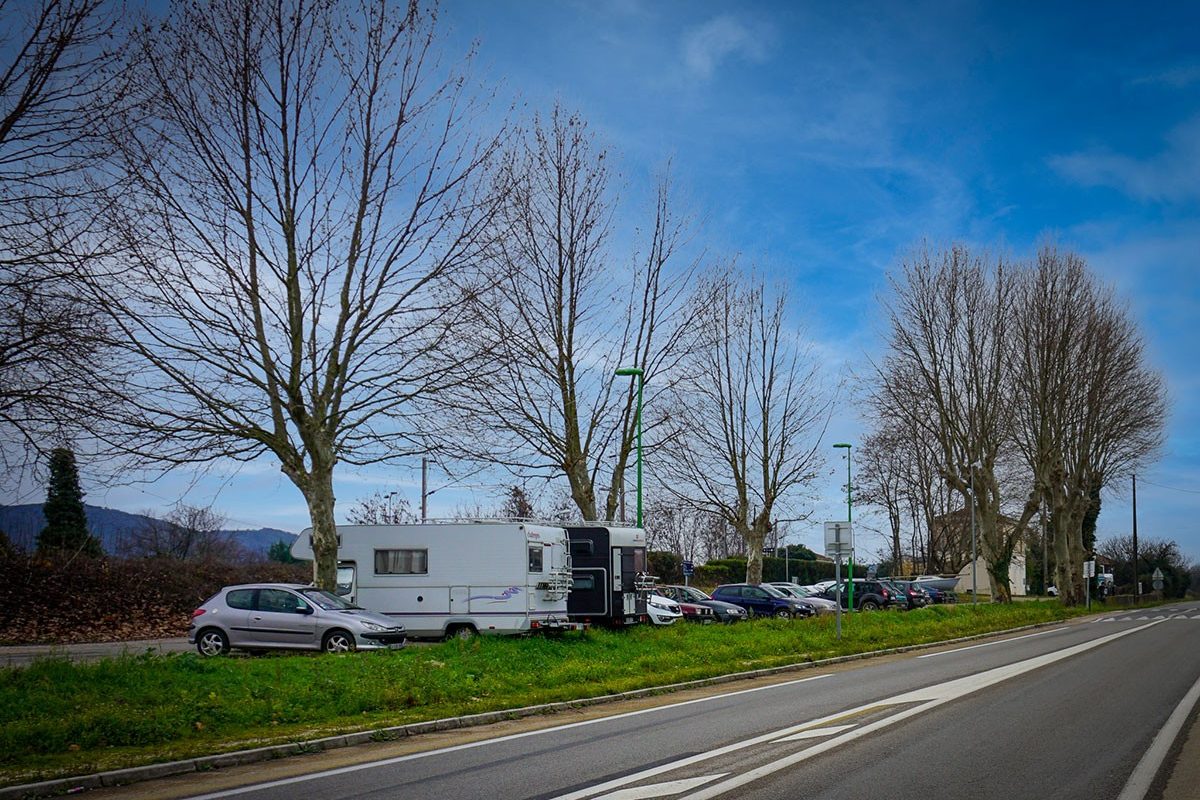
1137 585
424 488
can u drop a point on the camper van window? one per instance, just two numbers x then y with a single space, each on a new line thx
583 583
582 547
535 558
401 562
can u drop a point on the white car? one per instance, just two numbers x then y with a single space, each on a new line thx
663 610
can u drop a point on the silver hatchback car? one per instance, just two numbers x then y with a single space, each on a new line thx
262 616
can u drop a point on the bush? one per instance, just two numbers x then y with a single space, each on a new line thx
107 599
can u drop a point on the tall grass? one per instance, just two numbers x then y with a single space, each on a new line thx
58 717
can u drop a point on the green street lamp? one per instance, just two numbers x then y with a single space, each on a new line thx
629 372
849 521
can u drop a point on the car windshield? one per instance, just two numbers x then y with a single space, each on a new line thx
688 593
772 590
326 601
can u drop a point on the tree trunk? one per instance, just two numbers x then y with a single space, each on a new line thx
755 538
324 532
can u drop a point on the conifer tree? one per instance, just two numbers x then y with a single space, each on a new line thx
66 523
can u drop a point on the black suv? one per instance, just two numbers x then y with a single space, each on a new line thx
869 595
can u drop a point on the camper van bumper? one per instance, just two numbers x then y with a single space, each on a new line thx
555 624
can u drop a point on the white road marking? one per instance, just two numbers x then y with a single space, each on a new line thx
929 697
1143 774
988 644
1142 618
662 789
484 742
815 733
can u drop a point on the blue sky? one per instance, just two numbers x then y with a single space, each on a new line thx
820 141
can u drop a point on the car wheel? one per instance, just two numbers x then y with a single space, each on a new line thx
783 613
869 605
338 642
212 642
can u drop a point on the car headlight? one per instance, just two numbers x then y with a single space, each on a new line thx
658 605
371 626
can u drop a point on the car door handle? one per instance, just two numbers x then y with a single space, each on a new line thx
257 619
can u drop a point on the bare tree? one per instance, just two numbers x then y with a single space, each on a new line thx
1091 410
745 424
301 211
380 508
186 533
60 75
562 318
946 374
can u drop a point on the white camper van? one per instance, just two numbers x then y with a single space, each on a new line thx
446 579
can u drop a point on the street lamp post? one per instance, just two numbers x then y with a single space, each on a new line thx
631 372
974 558
850 522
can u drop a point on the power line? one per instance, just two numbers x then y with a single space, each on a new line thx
1172 488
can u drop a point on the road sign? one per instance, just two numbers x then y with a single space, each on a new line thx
871 571
689 569
1158 579
839 539
1089 569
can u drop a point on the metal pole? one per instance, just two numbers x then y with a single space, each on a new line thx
639 448
974 558
850 520
1137 585
1045 554
424 488
837 582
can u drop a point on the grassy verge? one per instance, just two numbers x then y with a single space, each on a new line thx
59 718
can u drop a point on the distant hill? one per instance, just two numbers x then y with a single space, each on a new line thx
23 523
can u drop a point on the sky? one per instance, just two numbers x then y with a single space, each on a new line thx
821 141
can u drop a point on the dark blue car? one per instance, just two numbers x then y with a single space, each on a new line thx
761 600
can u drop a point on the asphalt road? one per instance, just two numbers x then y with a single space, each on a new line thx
1067 712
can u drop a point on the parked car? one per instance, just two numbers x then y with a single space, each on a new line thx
691 597
913 594
869 595
818 604
663 610
938 595
269 616
761 600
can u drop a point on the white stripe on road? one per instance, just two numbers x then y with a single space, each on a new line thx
662 789
483 742
1144 773
815 733
988 644
929 697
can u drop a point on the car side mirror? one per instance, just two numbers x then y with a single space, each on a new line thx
306 610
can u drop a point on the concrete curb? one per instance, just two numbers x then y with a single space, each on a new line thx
121 777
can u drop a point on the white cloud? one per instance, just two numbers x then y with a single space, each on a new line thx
706 46
1170 176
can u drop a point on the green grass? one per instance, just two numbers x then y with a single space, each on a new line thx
60 718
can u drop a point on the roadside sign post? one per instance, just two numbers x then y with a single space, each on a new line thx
839 542
1157 577
1089 572
689 569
